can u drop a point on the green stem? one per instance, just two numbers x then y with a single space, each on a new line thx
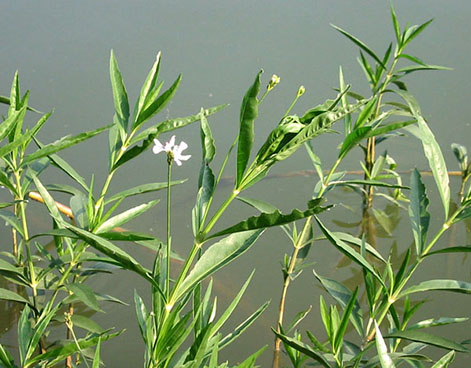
169 239
297 246
29 258
197 245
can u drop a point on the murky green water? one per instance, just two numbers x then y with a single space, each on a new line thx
62 50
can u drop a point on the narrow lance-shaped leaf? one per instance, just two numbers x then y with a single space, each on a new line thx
466 249
397 28
446 285
429 339
445 360
120 95
144 188
340 332
125 217
362 45
248 114
418 213
6 294
158 104
381 347
61 144
303 348
431 149
349 252
6 359
275 218
85 294
217 256
9 123
54 356
65 167
148 86
366 113
343 295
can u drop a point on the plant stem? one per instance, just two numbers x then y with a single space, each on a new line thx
29 258
169 238
298 245
200 238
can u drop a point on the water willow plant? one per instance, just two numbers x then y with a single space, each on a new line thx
384 76
385 288
168 326
47 278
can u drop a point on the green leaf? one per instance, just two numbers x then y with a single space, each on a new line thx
418 213
384 129
125 217
412 32
148 86
9 123
6 294
126 236
61 144
6 359
38 331
355 137
12 220
227 313
397 28
48 200
340 332
446 285
374 183
275 218
144 188
361 45
157 105
384 358
217 256
65 167
25 333
348 251
250 361
120 95
431 149
85 294
112 251
54 356
303 348
86 323
343 296
243 326
414 68
429 339
207 140
465 249
96 357
359 242
445 360
442 321
366 113
248 114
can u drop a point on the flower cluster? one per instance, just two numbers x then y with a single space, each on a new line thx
174 151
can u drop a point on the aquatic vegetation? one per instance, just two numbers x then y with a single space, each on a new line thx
182 325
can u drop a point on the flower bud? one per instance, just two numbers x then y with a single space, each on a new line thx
273 82
301 91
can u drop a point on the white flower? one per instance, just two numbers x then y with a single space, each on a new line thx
174 151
